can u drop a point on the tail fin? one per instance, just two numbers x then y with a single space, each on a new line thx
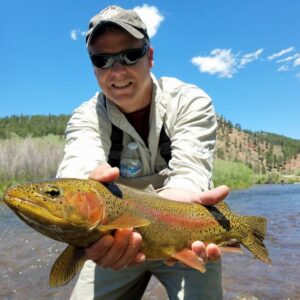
254 240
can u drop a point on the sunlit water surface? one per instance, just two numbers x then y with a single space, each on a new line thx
26 256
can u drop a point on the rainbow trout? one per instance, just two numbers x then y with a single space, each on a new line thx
79 212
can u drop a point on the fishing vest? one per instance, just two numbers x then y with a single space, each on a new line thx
116 148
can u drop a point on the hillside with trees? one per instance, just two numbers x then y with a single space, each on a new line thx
261 151
32 148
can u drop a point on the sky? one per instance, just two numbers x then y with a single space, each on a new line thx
244 54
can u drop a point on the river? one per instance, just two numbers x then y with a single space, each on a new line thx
26 256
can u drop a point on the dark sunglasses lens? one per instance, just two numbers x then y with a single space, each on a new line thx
133 55
128 57
100 61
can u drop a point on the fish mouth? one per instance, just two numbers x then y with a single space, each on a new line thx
30 210
17 203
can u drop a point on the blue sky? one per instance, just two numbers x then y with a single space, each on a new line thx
244 54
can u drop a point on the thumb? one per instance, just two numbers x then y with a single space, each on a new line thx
214 196
105 173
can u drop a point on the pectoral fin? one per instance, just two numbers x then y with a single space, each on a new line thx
127 220
190 258
66 266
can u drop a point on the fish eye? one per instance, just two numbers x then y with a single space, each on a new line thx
52 191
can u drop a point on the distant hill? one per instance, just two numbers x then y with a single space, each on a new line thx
261 151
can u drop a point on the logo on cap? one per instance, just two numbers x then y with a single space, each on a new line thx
110 12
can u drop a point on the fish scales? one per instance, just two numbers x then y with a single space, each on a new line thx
79 212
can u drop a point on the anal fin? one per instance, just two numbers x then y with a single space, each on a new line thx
190 258
170 262
67 265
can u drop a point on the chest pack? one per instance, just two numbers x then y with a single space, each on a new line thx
116 148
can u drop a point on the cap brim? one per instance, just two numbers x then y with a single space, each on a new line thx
130 29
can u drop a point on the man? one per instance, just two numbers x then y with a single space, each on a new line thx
133 100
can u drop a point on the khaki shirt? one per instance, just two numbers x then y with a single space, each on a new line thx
189 119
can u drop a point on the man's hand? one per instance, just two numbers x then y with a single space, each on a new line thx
210 197
206 252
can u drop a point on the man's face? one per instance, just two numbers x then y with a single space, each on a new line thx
129 87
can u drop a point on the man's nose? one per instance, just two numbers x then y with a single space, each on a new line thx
117 67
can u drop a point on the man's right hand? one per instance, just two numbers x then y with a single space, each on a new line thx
121 249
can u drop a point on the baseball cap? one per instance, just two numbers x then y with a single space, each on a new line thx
129 20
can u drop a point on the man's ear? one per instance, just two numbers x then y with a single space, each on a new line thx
151 55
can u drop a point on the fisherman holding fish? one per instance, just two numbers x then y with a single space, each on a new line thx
173 125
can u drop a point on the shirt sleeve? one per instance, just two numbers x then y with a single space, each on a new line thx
193 136
87 141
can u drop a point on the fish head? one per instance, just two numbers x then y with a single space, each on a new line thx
72 204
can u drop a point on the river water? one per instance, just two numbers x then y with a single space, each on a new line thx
26 256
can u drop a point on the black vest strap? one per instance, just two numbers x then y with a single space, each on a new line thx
116 148
165 145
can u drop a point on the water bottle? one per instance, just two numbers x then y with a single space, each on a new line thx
130 164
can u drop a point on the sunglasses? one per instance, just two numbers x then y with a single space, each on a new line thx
127 58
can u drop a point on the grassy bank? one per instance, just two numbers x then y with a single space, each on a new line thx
233 174
29 159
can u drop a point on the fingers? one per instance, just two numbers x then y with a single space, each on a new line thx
210 197
214 196
97 250
213 252
118 251
199 248
128 257
210 252
105 173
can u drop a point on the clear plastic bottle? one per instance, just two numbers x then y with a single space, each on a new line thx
130 164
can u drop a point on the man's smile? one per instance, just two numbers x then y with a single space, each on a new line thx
121 84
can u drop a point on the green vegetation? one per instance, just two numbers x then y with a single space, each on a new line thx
233 174
34 126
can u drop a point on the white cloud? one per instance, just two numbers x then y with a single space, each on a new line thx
280 53
151 16
289 58
297 61
283 68
248 58
75 33
221 62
